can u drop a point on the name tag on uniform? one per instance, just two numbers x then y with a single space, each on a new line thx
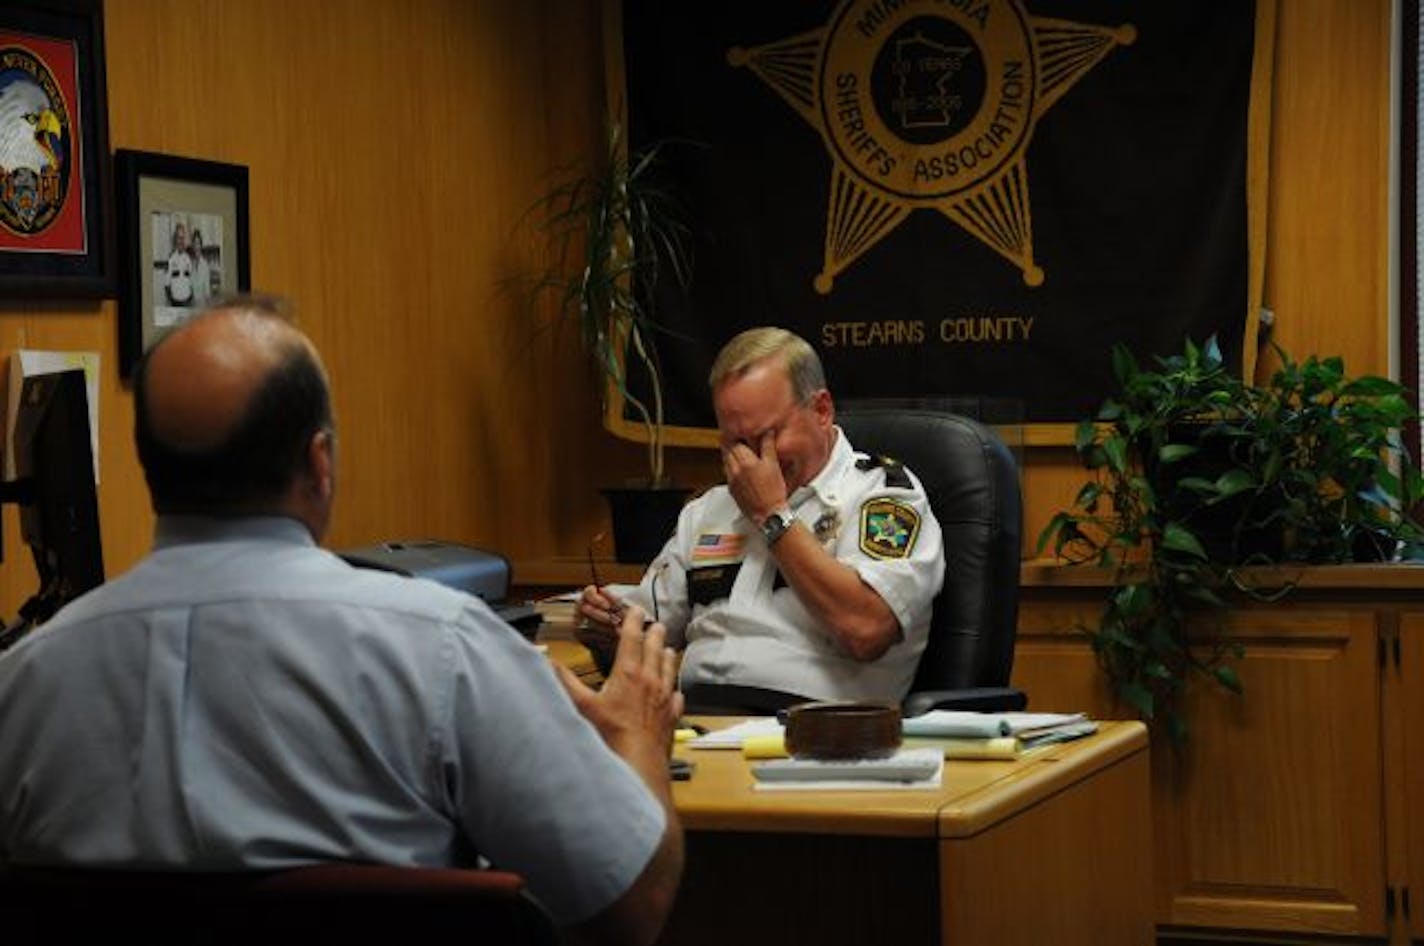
716 560
711 583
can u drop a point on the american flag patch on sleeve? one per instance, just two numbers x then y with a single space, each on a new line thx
714 547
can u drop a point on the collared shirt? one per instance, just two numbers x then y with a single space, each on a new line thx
243 699
720 593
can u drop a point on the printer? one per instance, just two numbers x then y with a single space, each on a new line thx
462 567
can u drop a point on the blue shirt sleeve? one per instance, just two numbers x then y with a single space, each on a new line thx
533 785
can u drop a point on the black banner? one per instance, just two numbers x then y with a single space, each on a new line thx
950 198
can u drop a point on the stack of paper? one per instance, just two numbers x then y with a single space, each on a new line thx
1029 730
905 769
558 609
734 736
956 734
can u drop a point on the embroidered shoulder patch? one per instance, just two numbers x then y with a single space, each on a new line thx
888 528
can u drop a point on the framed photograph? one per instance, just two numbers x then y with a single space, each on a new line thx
183 243
55 239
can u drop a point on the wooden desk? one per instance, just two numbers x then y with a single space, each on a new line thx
573 655
1053 848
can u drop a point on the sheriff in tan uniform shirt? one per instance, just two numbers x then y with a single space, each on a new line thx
718 590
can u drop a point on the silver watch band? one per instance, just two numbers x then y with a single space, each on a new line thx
775 525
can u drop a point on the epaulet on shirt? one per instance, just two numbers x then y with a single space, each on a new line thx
895 473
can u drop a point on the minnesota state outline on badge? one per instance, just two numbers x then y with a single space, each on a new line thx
929 104
888 528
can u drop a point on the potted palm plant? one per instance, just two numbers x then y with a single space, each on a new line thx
1198 475
617 232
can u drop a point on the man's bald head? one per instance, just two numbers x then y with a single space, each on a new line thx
199 382
226 406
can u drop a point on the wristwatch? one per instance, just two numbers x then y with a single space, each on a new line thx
774 526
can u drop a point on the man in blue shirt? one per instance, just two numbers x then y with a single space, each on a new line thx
245 699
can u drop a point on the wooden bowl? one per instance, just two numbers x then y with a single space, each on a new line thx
842 730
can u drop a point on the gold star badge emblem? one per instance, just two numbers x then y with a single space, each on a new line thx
929 104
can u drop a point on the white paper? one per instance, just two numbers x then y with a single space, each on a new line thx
881 784
928 784
733 736
28 362
964 724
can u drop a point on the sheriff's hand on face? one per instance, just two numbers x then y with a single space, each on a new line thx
754 477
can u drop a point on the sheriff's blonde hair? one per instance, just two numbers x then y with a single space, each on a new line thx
755 345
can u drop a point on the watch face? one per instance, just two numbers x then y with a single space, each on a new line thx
774 525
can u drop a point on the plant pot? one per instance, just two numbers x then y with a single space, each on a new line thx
643 519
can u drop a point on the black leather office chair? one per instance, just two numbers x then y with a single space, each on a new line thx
972 483
346 903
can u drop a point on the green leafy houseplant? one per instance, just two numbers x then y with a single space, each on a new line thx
616 232
1197 474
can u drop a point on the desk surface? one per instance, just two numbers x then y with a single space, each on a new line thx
573 655
974 796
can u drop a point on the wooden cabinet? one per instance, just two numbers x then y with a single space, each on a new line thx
1299 806
1404 680
1269 817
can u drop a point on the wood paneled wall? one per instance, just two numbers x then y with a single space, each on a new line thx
394 149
